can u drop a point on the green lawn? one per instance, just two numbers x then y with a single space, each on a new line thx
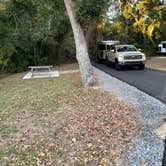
54 121
29 108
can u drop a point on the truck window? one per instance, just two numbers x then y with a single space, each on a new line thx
164 45
113 48
109 47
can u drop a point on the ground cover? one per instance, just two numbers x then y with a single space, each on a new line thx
54 121
157 63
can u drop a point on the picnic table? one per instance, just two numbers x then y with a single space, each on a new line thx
39 70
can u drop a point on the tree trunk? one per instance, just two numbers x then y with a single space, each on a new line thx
81 47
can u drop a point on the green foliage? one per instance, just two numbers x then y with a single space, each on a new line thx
90 15
88 11
6 47
139 22
38 32
32 33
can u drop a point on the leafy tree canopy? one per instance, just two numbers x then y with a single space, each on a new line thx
39 32
140 22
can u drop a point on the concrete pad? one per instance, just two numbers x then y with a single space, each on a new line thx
41 75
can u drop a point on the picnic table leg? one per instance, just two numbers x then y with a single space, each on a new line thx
49 71
32 71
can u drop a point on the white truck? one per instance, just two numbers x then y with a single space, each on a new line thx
125 55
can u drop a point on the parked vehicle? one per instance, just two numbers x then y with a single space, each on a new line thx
103 47
161 48
125 55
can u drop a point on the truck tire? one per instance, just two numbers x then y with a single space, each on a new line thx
98 60
141 67
117 65
107 61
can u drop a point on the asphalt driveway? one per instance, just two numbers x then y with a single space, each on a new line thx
152 82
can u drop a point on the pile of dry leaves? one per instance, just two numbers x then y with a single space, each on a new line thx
96 129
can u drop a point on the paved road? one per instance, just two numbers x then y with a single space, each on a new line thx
152 82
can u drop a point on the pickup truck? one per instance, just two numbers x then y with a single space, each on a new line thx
125 55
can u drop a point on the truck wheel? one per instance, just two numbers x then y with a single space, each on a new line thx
107 62
141 67
117 66
98 60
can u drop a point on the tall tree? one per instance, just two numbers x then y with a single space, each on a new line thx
81 46
145 15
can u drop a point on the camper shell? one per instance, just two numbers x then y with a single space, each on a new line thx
103 47
161 48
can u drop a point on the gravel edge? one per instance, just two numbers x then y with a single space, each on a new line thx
147 149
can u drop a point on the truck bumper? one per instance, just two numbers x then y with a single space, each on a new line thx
132 63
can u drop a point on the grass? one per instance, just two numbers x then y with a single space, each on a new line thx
54 121
6 129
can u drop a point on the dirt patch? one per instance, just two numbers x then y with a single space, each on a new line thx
73 66
158 63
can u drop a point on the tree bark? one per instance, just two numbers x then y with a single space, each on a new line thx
81 47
